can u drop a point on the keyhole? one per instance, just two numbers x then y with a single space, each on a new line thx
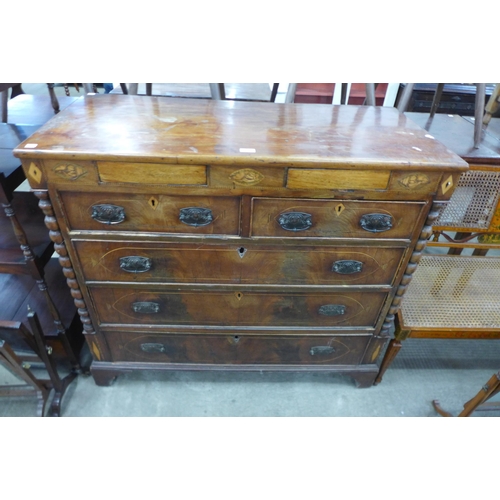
242 251
236 339
239 295
153 203
339 209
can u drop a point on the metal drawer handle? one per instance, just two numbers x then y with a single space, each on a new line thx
295 221
321 349
332 310
135 264
376 223
108 214
196 216
146 307
153 347
347 266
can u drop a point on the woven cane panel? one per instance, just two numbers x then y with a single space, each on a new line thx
454 292
473 202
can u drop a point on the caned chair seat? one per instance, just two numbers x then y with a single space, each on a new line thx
451 292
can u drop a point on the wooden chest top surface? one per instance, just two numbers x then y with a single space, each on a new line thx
170 130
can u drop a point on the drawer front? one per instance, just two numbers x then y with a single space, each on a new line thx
236 349
151 213
283 218
233 264
236 308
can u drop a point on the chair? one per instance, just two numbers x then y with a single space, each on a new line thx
217 91
22 363
455 294
479 110
20 255
479 401
369 90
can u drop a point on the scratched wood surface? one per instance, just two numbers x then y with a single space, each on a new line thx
225 132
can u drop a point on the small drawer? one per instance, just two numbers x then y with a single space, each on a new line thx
152 173
151 213
278 217
236 308
236 264
237 349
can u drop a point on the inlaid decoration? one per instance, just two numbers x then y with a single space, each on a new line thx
246 177
70 171
153 202
447 184
35 173
413 181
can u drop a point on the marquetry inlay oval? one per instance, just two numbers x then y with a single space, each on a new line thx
70 171
246 177
413 181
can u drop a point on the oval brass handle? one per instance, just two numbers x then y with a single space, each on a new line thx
196 216
146 307
321 349
295 221
108 214
376 223
332 310
153 347
347 266
135 264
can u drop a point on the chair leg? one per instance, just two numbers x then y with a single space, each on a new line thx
392 350
404 100
491 388
5 98
437 99
274 92
493 105
290 94
370 94
478 113
53 98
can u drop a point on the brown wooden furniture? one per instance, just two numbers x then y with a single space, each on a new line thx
26 250
21 363
479 401
203 234
454 295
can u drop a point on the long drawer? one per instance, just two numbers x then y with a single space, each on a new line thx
234 264
238 349
235 308
151 213
279 217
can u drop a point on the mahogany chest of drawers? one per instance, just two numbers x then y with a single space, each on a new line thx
199 234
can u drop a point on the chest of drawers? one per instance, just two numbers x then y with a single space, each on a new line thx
238 236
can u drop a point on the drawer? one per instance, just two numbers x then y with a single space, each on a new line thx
236 349
235 264
278 217
151 213
236 308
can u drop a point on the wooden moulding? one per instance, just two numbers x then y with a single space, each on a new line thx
152 173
